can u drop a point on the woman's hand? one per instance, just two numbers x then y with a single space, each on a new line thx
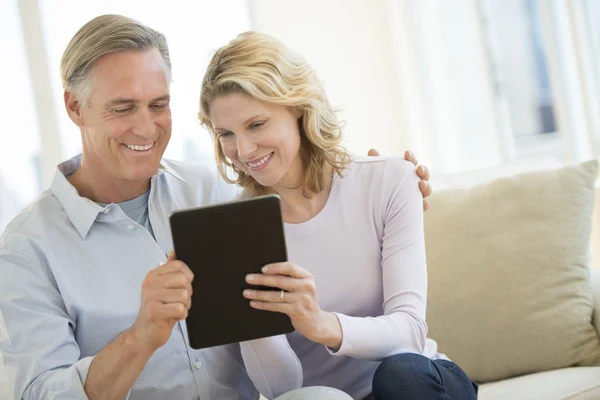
295 296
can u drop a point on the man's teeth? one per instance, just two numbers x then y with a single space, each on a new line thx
260 162
140 148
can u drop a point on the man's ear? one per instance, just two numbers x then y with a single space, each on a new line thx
73 106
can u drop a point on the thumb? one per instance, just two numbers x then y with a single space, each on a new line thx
171 256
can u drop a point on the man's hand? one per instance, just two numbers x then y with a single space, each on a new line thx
166 299
422 172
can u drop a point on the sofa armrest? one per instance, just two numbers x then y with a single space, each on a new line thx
595 282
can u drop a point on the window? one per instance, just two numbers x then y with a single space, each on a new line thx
593 12
20 173
517 52
193 30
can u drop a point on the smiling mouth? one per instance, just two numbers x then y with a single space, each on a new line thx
260 162
137 147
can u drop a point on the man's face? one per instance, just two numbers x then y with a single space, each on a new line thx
126 124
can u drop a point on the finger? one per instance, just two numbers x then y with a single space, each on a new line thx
274 307
425 188
169 267
275 281
175 266
286 268
171 256
177 280
268 296
176 311
409 156
182 296
425 205
373 153
423 172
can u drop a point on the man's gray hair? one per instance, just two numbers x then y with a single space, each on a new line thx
104 35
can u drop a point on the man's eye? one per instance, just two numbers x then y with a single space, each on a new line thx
159 106
122 110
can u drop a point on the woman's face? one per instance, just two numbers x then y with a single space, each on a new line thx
262 140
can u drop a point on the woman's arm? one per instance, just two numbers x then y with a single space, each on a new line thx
272 365
402 328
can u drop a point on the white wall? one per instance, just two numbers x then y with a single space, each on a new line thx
408 74
346 42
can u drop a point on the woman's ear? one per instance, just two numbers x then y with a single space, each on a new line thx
297 112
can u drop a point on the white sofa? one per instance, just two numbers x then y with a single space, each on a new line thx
577 383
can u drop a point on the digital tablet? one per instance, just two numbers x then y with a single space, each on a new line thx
221 244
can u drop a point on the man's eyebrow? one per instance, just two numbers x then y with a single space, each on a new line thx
122 100
166 97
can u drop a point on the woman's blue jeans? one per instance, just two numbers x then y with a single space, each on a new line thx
416 377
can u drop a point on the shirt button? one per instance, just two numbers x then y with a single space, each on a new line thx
130 227
198 364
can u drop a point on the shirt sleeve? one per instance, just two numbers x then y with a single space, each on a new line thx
227 191
40 344
272 365
402 328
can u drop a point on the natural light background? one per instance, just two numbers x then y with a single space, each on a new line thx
474 87
466 84
193 30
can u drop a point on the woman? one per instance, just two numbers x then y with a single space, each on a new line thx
356 284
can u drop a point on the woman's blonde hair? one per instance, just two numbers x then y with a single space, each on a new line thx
262 67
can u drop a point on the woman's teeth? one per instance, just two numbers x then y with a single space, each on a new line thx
261 161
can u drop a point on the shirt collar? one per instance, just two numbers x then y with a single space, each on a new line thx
166 167
81 211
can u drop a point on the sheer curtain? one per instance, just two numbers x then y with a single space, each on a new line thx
426 75
33 35
193 30
20 175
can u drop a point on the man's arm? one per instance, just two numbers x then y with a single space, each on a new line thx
41 343
166 299
115 369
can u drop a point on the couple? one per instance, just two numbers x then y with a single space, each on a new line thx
88 316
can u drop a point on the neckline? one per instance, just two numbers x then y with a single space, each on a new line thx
313 223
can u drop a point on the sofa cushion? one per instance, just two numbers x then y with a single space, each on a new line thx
509 289
579 383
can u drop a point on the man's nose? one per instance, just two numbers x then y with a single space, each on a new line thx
144 125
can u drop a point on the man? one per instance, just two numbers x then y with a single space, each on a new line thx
92 304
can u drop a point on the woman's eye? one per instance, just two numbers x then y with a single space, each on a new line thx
256 125
224 134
